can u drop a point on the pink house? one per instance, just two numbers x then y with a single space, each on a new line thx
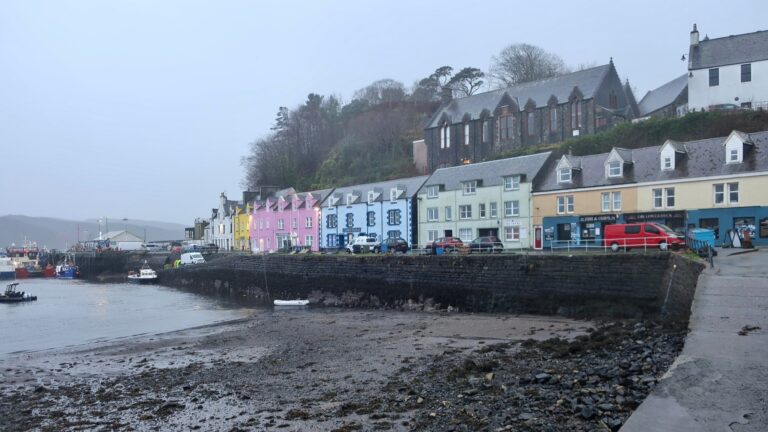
287 219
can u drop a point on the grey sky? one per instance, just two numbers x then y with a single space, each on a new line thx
142 109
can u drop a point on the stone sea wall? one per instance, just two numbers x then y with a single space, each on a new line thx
613 285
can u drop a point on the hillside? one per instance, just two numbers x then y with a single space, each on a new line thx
60 233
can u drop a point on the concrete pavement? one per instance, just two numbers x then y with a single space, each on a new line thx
719 382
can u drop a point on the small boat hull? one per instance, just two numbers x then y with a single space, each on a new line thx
142 280
8 275
291 302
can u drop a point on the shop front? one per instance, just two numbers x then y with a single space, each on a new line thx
747 222
591 227
672 219
561 231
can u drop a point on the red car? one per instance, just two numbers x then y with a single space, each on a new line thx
449 244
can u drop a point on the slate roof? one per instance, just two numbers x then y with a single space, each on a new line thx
660 97
735 49
703 158
412 185
491 173
588 81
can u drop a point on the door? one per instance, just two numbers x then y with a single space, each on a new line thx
537 238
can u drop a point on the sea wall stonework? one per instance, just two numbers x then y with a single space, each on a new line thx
621 285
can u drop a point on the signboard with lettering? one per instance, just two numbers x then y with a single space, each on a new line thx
351 230
598 218
632 217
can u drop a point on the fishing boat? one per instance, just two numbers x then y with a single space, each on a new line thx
145 275
291 302
7 268
25 260
67 269
12 296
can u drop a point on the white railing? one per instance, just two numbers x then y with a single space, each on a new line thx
645 243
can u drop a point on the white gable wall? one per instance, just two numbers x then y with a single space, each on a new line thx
701 95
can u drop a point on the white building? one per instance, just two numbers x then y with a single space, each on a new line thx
220 229
730 70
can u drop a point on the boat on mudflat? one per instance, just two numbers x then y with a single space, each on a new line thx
291 302
12 296
145 275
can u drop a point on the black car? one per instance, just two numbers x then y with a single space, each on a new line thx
486 244
392 245
210 248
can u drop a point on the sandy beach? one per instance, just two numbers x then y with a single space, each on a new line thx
343 370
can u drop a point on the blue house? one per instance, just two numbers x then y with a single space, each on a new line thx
381 210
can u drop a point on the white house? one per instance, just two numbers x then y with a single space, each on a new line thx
728 70
220 229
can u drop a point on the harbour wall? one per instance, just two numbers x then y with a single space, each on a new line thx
613 285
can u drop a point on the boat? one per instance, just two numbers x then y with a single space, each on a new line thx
67 269
7 268
291 302
12 296
145 275
25 260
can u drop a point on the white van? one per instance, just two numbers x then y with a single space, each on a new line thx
192 258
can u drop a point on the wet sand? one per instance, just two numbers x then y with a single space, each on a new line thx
299 370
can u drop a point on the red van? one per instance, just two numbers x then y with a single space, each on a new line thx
641 235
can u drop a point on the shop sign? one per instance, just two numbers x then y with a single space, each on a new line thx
598 218
511 222
631 217
351 230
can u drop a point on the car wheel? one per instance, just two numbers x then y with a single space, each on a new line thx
376 250
615 247
663 246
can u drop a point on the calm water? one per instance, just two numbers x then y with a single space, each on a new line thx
75 312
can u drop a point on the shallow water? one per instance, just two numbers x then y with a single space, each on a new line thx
70 313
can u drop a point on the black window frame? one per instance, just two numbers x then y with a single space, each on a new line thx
714 77
746 72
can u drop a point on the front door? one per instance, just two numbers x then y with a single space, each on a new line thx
537 240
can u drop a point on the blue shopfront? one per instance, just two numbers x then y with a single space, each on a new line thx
566 231
749 222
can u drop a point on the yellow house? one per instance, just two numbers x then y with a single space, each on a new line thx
718 183
241 229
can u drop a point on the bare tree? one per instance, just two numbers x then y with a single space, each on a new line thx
382 91
521 63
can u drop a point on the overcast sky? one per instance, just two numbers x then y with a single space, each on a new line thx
142 109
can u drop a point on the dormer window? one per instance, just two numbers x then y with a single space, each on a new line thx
667 164
512 183
614 169
350 199
470 187
733 155
564 175
393 194
432 191
371 197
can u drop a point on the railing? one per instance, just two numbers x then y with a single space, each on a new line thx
702 248
658 243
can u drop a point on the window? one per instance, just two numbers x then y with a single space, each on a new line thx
564 175
616 201
560 205
511 208
431 235
465 234
531 126
606 200
667 163
308 240
714 77
445 136
466 133
481 210
614 169
280 224
350 199
613 100
448 213
512 183
512 233
569 203
565 204
432 214
746 72
670 192
718 190
650 229
432 191
469 187
308 222
733 155
575 114
465 212
657 198
331 240
506 127
261 224
393 217
393 194
494 210
486 130
371 218
733 193
632 229
331 221
553 119
371 196
711 223
350 220
295 223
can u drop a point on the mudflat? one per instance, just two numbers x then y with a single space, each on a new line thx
344 370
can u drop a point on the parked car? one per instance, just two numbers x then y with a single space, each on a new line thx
210 248
448 244
361 244
392 245
641 235
486 244
192 258
152 247
724 107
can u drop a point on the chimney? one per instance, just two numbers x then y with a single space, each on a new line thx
694 36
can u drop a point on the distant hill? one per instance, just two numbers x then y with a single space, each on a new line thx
60 233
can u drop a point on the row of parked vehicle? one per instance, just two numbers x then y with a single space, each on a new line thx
616 237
